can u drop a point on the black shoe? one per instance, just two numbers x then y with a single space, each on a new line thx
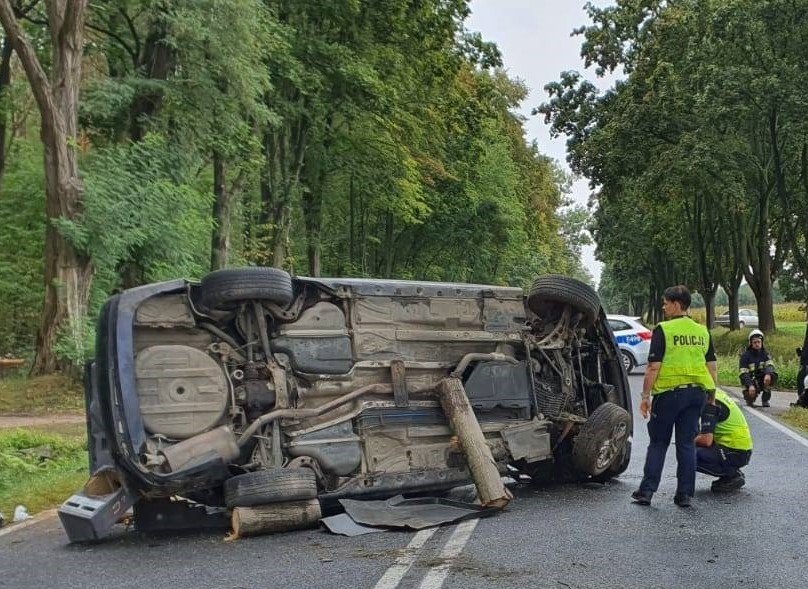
728 484
641 497
765 404
682 500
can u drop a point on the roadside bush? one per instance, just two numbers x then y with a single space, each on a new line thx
786 372
39 469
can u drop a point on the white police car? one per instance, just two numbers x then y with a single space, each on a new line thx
633 339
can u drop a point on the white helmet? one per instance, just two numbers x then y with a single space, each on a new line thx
755 333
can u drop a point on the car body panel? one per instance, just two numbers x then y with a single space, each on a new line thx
746 317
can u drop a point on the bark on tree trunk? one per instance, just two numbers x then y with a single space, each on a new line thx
709 307
222 215
455 403
5 82
275 517
68 273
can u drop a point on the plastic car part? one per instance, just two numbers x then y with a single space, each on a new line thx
274 485
336 448
226 288
318 342
601 441
182 390
552 290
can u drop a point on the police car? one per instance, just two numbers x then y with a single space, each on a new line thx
633 339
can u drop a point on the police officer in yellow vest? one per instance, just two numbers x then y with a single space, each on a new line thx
724 444
680 377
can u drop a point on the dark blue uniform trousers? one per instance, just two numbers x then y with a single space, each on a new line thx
721 462
677 409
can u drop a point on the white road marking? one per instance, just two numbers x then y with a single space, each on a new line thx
437 575
29 522
392 576
775 424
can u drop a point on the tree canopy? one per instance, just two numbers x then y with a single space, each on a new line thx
341 137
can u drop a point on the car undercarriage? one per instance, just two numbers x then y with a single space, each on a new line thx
255 388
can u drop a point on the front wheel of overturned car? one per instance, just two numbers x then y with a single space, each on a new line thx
601 443
274 485
550 292
617 468
224 288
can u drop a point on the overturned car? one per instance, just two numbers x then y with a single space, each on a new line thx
255 388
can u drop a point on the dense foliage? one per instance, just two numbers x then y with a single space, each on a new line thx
341 137
699 153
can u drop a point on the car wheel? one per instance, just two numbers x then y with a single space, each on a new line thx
741 324
224 288
602 439
628 361
618 468
552 290
274 485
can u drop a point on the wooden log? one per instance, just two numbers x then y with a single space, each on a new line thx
456 406
275 517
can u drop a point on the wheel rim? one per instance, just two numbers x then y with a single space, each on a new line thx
611 446
626 361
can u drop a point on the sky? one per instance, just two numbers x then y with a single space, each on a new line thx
534 38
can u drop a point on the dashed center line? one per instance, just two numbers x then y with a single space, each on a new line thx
437 575
392 577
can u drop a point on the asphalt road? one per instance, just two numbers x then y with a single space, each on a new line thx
588 536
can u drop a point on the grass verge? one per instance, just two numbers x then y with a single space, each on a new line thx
796 417
41 467
42 395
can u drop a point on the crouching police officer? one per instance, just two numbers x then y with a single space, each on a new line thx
724 445
757 371
681 372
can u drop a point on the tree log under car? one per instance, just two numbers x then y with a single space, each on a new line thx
275 517
484 471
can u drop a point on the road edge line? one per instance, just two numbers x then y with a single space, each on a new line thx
42 516
772 422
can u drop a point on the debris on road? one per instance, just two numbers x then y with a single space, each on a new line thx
275 517
21 514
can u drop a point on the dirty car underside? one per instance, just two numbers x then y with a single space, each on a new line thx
252 387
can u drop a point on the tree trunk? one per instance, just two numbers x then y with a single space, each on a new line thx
222 215
68 273
709 307
156 63
275 517
456 406
734 307
5 82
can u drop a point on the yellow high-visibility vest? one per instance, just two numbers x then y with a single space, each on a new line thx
733 432
686 343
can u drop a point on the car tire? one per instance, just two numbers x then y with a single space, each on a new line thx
628 361
551 290
619 467
601 442
741 324
274 485
223 288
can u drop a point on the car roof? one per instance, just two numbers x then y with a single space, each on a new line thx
623 317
